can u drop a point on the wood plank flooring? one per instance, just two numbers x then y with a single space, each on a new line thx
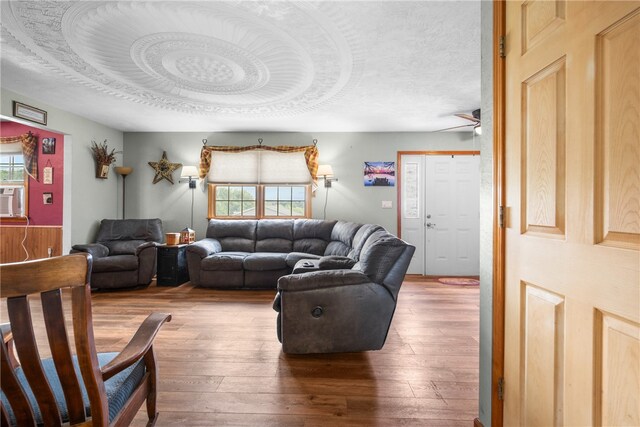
221 363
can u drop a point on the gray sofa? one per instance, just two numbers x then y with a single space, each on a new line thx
254 254
337 282
125 253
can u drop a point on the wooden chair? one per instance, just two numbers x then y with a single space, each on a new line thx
112 386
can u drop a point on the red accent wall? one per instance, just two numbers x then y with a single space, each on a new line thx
39 213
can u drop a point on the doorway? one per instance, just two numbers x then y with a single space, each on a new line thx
438 212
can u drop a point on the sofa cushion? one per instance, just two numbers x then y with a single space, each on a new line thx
115 263
274 235
293 257
275 228
360 239
148 230
342 238
313 228
379 254
265 261
233 235
123 247
312 235
224 261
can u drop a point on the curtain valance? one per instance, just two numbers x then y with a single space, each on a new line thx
29 144
310 157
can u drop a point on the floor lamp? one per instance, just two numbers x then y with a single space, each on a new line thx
124 171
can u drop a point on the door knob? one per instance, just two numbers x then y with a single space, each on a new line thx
430 225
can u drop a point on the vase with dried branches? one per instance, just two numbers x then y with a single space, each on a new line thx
103 157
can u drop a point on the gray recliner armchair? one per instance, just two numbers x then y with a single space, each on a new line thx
343 310
125 252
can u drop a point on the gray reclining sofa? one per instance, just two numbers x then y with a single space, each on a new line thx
254 254
125 253
344 285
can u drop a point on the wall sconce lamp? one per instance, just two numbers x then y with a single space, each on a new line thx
124 171
326 172
189 173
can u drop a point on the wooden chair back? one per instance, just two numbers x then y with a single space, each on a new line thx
47 278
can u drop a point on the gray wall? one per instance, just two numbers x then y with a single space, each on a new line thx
86 199
346 152
486 214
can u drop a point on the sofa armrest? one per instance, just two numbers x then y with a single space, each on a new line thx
335 262
321 279
146 245
96 250
205 247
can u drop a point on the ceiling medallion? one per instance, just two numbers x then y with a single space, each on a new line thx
234 58
199 63
164 169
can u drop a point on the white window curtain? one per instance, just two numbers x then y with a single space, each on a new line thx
260 167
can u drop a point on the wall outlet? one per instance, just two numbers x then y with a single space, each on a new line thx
387 204
50 251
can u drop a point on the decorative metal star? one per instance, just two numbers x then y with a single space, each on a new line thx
164 169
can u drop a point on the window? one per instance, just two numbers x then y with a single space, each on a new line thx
288 201
259 201
13 187
12 168
235 201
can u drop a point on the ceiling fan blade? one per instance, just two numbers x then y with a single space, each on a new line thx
455 127
468 117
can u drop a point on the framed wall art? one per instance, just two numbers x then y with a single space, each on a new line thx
47 173
47 198
27 112
48 146
379 174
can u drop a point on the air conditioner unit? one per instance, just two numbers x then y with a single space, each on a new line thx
6 205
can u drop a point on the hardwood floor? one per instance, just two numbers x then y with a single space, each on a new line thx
221 363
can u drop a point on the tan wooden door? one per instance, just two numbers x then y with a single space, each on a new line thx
572 297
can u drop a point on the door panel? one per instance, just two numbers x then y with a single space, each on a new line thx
572 282
412 209
617 177
452 200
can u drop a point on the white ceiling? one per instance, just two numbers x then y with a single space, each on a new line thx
248 65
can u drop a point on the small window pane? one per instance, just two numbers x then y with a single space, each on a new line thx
222 208
284 193
297 209
249 193
235 193
298 193
284 209
271 193
249 208
222 193
270 208
235 208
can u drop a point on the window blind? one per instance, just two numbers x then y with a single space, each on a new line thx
259 166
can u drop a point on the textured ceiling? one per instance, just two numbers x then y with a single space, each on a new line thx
248 65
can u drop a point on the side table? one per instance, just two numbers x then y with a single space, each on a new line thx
172 265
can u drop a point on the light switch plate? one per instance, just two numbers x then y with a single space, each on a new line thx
387 204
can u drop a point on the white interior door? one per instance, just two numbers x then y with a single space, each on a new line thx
440 213
452 215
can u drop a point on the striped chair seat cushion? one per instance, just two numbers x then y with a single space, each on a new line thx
119 388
